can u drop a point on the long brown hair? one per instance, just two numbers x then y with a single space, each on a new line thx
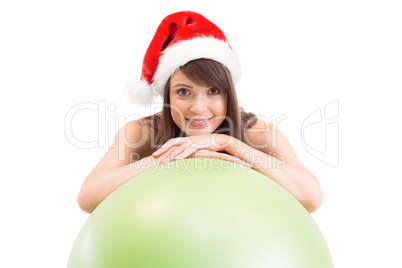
209 73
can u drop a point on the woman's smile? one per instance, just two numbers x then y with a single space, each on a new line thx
198 122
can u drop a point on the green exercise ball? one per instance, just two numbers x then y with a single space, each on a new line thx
200 213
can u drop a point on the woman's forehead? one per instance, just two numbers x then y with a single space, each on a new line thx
178 77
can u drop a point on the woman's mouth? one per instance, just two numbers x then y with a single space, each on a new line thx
198 123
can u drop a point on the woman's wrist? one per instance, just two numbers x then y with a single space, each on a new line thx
226 142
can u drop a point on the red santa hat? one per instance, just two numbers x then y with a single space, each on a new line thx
181 37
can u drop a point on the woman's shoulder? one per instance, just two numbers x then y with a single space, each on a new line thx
261 133
134 131
134 128
259 125
138 134
138 125
148 124
268 138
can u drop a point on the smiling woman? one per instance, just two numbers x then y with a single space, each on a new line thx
191 64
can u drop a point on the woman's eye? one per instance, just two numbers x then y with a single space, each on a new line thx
183 92
214 91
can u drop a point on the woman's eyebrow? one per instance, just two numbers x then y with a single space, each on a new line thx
182 85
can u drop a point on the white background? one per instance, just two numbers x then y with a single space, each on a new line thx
297 57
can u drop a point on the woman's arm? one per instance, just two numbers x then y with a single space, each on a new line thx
125 159
276 159
97 186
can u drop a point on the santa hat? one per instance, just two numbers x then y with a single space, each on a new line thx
181 37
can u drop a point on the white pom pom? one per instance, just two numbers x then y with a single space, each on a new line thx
139 92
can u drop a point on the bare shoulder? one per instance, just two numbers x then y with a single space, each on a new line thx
135 135
135 131
260 133
131 143
267 138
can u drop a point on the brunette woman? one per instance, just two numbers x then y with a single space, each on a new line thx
191 64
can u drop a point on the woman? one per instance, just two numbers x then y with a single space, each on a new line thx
190 63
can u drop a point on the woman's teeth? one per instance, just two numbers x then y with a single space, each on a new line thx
198 121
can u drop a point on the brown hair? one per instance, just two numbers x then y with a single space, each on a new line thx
209 73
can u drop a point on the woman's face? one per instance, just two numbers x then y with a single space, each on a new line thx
196 109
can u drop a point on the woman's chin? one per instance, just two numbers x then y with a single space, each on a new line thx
194 132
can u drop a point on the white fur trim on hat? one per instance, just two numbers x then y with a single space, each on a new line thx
200 47
139 92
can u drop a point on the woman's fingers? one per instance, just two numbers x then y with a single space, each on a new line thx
184 151
186 146
193 143
168 145
176 152
228 157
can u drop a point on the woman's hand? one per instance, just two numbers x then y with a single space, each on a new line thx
199 146
211 154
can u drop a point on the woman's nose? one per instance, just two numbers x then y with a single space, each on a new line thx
198 105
